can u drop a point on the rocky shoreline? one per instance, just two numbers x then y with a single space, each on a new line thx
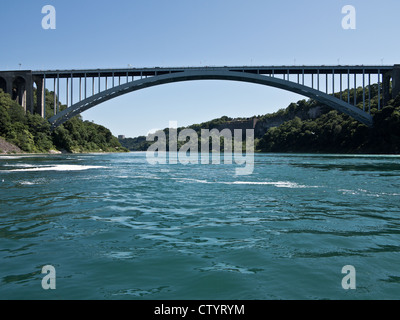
8 148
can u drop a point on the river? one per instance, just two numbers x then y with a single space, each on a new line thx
114 226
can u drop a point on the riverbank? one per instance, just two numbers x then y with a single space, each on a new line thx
8 148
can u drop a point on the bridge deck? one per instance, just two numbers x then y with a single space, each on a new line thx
277 70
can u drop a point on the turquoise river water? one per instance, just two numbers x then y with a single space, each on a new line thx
114 226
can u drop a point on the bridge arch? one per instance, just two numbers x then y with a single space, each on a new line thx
3 84
191 75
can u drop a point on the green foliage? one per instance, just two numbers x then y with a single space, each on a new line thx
338 133
136 144
215 123
32 133
15 126
5 119
84 136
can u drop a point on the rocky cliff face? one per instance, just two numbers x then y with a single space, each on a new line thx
239 124
7 148
262 125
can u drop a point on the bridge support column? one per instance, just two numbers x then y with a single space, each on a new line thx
40 96
19 85
29 94
396 81
386 88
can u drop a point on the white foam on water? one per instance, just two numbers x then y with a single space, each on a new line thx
278 184
389 194
229 268
11 157
345 191
27 183
120 255
20 165
149 177
370 193
184 180
60 167
32 182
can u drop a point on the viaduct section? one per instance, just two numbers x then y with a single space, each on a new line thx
83 89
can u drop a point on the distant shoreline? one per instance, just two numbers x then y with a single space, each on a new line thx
5 155
9 149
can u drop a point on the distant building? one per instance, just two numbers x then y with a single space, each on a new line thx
120 137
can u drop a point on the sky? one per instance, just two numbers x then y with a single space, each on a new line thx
93 34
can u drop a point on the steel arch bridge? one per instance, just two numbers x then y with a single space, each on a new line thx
93 87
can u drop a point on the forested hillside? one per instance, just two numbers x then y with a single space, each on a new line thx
32 134
334 132
309 126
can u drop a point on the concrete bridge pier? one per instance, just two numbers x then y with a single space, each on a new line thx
396 81
19 85
40 96
386 88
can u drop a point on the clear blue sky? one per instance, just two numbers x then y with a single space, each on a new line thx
147 33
